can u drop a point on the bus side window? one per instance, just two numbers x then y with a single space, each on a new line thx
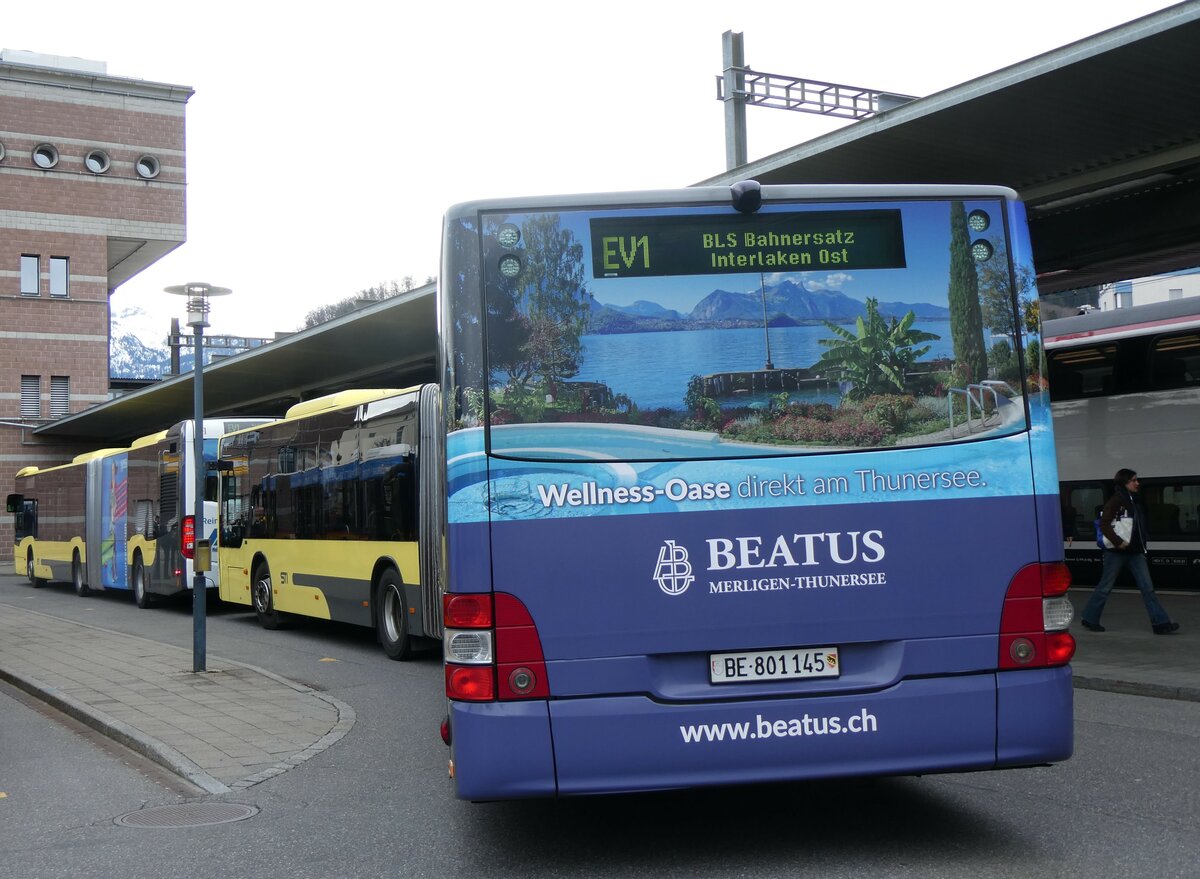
256 513
145 520
232 512
25 519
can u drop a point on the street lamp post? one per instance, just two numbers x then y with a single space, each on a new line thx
197 309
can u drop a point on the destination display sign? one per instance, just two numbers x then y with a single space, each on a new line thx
639 247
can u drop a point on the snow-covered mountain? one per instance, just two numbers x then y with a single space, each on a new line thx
137 345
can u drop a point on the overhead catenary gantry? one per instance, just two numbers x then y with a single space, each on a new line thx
739 86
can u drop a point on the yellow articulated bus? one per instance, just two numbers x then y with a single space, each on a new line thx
319 514
121 519
52 537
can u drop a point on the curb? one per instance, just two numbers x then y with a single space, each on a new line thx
345 721
119 731
163 754
1137 688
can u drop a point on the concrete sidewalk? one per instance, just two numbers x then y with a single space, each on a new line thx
1129 658
224 729
235 725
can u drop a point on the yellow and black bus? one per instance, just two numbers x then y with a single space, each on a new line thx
319 514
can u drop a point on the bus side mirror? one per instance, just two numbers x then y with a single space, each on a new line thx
16 503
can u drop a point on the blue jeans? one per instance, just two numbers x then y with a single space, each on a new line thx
1114 561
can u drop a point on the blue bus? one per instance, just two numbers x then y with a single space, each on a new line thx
746 484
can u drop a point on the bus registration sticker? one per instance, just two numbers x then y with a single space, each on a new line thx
774 665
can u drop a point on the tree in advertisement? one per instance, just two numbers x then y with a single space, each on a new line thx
966 314
535 319
999 289
875 357
462 328
555 298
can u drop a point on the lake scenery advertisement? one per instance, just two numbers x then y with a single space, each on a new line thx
802 327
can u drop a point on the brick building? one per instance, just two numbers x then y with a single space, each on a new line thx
92 189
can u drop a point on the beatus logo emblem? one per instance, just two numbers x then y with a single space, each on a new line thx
673 573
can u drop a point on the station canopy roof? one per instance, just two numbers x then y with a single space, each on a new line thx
388 344
1101 138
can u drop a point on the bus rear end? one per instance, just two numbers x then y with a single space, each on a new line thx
747 492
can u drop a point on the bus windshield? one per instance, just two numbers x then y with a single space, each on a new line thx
672 333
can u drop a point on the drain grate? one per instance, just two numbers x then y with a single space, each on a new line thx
188 815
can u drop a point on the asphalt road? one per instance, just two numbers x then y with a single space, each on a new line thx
378 803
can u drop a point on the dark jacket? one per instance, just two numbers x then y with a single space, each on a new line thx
1122 503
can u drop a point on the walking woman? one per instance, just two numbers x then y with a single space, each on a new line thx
1126 552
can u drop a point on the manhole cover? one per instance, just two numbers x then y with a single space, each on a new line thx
188 815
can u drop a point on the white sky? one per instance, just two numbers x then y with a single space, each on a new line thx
325 141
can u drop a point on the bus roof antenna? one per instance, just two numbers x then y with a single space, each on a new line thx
746 195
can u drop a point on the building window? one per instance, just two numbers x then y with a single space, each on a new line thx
29 274
45 155
148 167
1 152
60 396
97 161
31 396
60 273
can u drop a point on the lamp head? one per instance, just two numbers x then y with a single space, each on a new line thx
197 293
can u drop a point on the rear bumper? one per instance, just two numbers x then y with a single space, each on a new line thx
632 743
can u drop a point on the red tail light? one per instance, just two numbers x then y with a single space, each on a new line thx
1056 579
470 683
1060 647
1034 606
467 611
187 537
520 665
493 651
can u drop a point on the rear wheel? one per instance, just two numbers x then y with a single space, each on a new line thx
37 581
264 599
143 598
81 588
391 616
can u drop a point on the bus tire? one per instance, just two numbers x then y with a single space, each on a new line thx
143 598
37 581
264 599
81 588
391 616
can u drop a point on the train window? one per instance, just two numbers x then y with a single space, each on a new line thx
1083 372
1175 361
1081 504
1173 509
